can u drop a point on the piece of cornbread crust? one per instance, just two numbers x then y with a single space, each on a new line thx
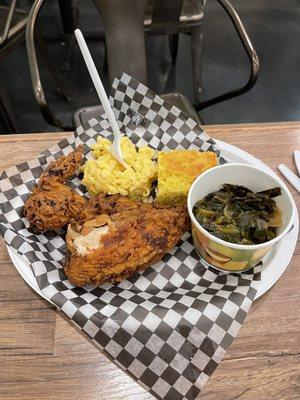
177 170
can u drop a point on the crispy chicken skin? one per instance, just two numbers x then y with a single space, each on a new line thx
108 204
62 169
52 204
112 248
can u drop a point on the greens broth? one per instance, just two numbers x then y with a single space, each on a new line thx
238 215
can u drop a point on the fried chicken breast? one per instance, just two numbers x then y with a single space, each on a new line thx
108 204
51 205
111 248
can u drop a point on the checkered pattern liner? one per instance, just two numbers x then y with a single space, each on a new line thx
169 326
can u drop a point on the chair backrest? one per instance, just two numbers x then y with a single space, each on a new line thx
251 54
8 21
165 15
12 27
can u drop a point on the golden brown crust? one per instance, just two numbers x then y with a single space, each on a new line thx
107 204
51 205
136 239
62 169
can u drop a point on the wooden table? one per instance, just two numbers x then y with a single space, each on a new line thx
43 356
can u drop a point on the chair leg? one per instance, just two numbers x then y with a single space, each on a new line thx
7 112
105 60
173 46
70 18
124 35
59 86
196 45
67 52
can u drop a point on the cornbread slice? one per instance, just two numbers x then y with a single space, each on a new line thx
177 170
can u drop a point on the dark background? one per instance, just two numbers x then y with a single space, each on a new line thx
274 27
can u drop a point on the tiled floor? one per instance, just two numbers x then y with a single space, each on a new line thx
273 26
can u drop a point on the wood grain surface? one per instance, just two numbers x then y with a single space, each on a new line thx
43 356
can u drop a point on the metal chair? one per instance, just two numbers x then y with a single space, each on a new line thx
251 54
15 24
184 16
32 35
12 26
69 19
167 17
172 17
188 20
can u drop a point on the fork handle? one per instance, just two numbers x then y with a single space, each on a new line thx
97 82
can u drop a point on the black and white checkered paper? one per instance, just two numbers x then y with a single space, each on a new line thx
169 326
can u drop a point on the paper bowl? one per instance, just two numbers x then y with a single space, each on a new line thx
227 256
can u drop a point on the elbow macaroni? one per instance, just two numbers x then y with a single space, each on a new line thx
105 174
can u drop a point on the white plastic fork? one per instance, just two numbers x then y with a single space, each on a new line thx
115 148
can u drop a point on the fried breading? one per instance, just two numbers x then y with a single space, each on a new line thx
112 248
62 169
51 205
107 204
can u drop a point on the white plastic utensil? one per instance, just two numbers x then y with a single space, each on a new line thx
297 160
115 149
293 179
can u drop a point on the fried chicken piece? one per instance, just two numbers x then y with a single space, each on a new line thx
52 205
62 169
112 248
107 204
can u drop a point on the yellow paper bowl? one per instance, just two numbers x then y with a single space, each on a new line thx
227 256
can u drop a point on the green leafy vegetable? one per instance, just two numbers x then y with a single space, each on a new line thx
238 215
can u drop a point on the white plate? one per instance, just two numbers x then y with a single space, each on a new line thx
275 262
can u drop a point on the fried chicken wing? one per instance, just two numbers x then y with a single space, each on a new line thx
52 205
62 169
111 248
